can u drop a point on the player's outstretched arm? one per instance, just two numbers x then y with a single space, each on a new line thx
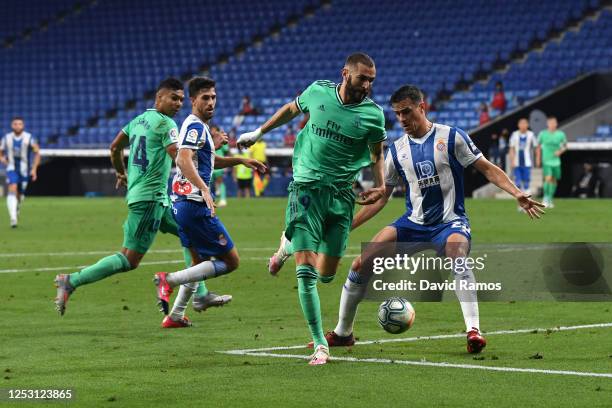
184 160
282 116
223 162
369 211
497 176
120 142
378 170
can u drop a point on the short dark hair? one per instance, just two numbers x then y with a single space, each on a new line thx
551 117
170 83
359 57
198 83
411 92
17 118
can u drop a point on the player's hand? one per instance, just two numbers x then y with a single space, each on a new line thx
208 200
532 208
33 175
558 153
370 196
255 165
249 138
220 138
121 180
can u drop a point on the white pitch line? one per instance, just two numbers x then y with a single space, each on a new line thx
436 337
443 365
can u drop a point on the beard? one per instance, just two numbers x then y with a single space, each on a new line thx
354 93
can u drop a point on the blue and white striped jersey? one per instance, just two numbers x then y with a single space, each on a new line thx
194 135
432 170
524 145
18 151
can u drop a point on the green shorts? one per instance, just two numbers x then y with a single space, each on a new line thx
318 218
144 219
218 173
554 171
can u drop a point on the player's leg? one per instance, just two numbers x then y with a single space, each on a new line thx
139 230
12 201
527 179
548 184
208 237
278 259
555 176
304 220
220 190
456 238
354 290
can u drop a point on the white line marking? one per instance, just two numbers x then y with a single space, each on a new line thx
264 352
436 337
443 365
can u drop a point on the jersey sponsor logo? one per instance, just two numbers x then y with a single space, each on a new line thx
440 145
192 136
425 173
331 135
182 187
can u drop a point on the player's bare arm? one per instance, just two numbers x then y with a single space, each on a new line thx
562 150
34 171
120 142
496 176
172 150
184 160
282 116
224 162
368 212
378 191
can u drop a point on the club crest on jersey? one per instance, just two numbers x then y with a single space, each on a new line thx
426 174
222 240
440 145
182 188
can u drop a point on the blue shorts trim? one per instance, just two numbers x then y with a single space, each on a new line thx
437 235
198 230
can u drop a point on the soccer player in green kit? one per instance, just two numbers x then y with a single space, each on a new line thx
552 144
220 190
152 138
345 133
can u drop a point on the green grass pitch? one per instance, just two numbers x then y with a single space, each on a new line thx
110 349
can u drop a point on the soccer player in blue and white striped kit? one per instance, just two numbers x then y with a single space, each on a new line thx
430 159
522 146
19 151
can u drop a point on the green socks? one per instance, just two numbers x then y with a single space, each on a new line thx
222 192
549 191
309 299
103 268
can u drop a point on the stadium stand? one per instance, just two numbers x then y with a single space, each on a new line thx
82 102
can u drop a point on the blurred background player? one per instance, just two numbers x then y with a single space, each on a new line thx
152 137
193 205
522 146
552 144
430 159
17 149
243 175
260 180
345 133
218 174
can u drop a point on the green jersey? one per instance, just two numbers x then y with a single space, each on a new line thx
222 151
149 164
333 146
550 143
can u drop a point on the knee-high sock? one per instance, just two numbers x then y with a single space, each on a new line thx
11 204
309 300
202 271
105 267
467 298
353 291
553 190
546 191
201 290
182 299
